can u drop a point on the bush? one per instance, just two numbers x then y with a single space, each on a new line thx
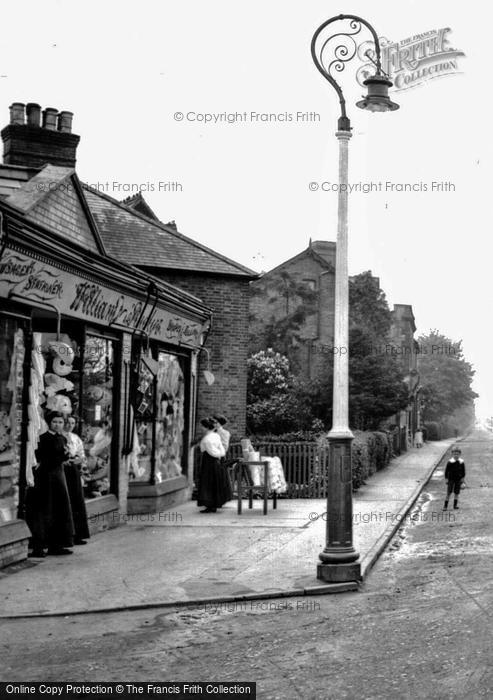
293 436
275 415
372 451
433 431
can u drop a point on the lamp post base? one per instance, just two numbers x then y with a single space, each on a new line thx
339 573
339 559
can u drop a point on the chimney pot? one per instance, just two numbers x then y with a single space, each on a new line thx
33 113
49 118
65 122
31 146
17 113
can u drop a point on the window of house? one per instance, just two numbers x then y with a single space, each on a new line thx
311 284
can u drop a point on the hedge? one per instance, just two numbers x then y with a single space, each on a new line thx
372 451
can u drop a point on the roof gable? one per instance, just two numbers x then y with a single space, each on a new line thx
308 252
54 199
134 238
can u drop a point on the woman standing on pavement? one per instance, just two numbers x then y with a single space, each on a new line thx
455 472
49 514
224 434
74 465
418 438
213 489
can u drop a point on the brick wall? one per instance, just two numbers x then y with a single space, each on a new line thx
227 343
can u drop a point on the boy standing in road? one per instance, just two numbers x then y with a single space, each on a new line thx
455 471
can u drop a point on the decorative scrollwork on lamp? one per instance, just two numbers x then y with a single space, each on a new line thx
331 54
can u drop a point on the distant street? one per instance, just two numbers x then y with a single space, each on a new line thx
421 626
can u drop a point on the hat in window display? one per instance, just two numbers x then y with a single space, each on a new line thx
54 383
63 357
99 394
59 403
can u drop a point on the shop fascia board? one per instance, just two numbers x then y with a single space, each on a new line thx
104 271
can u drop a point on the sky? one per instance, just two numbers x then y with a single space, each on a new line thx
142 78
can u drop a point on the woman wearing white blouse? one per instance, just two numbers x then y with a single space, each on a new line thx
73 474
213 487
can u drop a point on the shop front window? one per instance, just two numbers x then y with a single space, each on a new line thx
76 379
170 387
159 409
97 412
11 360
144 408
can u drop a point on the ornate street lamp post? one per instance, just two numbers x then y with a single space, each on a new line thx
330 52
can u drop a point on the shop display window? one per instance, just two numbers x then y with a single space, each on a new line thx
11 361
76 378
159 410
97 411
57 357
144 410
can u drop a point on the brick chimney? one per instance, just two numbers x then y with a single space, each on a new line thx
28 142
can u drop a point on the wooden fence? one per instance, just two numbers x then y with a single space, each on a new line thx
305 465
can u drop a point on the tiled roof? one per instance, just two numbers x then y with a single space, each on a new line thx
136 239
53 197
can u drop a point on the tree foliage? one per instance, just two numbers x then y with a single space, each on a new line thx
376 386
368 308
268 375
445 375
282 327
279 400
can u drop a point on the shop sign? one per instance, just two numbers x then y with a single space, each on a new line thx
75 296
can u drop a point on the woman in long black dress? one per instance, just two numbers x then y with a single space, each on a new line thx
73 474
214 488
49 514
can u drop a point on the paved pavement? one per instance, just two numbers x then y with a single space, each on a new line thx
181 556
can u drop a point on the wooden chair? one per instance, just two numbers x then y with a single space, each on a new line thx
245 484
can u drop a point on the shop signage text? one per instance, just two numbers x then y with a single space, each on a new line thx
71 295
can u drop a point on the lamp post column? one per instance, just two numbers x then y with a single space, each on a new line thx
330 55
339 556
340 425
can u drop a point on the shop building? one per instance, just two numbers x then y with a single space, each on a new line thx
133 233
83 333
